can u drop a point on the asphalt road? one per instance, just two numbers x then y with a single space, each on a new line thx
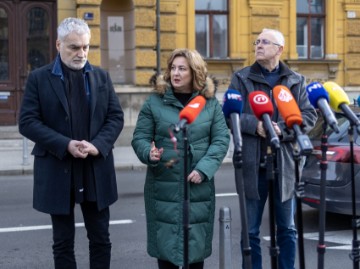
26 238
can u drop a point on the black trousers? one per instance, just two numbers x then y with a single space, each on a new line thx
168 265
97 227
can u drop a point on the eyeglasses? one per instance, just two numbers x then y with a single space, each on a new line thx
265 42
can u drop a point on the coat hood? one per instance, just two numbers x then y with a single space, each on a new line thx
161 86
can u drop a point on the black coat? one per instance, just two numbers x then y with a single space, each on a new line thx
45 119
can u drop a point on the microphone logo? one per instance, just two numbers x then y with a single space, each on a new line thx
260 99
194 105
233 96
284 96
313 86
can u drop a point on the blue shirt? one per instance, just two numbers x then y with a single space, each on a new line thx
57 71
271 77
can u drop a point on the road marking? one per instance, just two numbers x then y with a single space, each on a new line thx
112 222
225 194
342 238
49 227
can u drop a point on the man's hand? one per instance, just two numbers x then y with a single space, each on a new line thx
260 129
75 148
81 149
88 148
276 128
262 132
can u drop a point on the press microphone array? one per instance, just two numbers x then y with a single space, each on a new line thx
232 108
319 98
263 109
190 112
339 101
290 111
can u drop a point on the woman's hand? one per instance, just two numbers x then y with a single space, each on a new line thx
155 153
194 177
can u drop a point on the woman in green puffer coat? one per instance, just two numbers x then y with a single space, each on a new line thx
155 145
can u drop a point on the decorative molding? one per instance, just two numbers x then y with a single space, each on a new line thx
227 67
351 6
266 3
332 65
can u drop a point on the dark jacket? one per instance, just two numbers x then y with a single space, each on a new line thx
208 139
251 79
45 119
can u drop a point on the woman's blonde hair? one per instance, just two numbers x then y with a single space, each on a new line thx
196 63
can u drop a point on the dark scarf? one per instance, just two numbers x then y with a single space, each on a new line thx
183 97
83 181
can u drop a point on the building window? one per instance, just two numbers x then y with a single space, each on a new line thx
310 29
212 28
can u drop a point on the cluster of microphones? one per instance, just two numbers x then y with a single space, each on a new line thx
321 96
327 97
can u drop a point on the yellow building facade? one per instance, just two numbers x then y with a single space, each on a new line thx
132 39
246 18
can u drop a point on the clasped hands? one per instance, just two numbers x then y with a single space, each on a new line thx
262 132
155 155
81 149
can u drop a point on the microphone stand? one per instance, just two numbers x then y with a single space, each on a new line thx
274 249
299 191
239 181
321 248
186 202
355 221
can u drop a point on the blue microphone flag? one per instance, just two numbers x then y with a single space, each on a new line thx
316 91
232 102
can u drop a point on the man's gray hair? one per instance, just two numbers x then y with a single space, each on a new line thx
69 25
279 37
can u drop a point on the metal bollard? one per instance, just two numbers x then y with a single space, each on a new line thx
225 239
25 152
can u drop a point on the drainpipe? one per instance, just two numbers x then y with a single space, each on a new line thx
158 67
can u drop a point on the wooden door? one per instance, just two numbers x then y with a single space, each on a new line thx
27 41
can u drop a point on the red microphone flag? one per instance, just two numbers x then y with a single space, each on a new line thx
260 104
192 109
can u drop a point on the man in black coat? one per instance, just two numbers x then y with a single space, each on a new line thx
71 112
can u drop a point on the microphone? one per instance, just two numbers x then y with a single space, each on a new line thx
232 108
319 98
290 111
340 101
263 109
190 112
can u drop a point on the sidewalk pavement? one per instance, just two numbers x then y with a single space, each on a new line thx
16 158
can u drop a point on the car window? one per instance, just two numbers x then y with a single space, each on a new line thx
342 137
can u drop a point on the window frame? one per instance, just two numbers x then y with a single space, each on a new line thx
308 34
210 33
